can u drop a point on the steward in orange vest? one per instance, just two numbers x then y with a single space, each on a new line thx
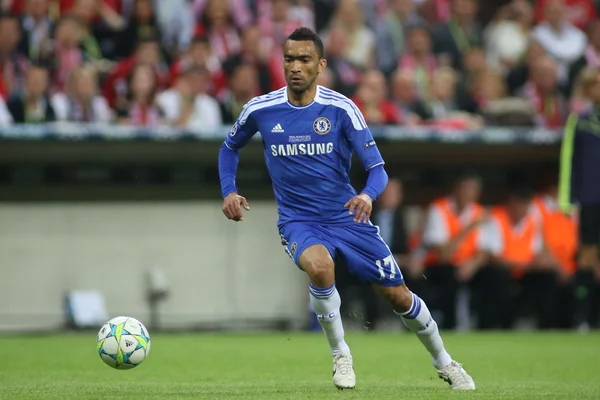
461 230
512 252
559 232
449 239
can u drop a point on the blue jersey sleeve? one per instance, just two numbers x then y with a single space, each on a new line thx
376 182
358 134
239 135
242 131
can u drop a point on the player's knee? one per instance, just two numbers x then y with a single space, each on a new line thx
320 271
400 298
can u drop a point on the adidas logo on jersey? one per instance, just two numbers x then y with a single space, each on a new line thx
277 129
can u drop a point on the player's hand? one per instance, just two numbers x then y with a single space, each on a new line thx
360 206
232 206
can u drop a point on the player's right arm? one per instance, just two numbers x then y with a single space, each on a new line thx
239 135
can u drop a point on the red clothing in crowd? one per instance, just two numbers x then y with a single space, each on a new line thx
579 12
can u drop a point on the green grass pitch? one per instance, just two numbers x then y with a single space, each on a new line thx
298 366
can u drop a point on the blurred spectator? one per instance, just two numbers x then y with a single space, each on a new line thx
434 11
242 88
323 10
147 52
100 22
391 32
216 25
81 101
488 97
33 106
561 237
200 55
507 36
64 6
346 76
484 88
325 79
37 28
561 40
371 99
277 19
140 108
409 108
188 105
519 75
473 61
374 11
419 58
361 40
459 34
142 24
559 231
255 52
6 118
512 252
443 94
176 21
13 64
240 12
577 12
450 240
591 56
543 93
68 53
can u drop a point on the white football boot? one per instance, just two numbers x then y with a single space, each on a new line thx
343 372
456 376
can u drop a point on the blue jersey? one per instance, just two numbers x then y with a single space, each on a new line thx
308 152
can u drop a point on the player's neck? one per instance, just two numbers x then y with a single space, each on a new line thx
304 98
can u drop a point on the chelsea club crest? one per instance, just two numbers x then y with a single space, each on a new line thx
322 126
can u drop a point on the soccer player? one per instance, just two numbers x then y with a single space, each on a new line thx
309 134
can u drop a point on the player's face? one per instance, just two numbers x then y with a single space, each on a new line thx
301 64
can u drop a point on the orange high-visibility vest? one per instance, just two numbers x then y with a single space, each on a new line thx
468 246
560 235
518 246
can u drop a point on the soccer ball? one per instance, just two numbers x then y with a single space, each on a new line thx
123 343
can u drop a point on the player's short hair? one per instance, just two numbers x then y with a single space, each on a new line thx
304 34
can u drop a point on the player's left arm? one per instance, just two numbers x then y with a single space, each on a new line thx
240 134
360 137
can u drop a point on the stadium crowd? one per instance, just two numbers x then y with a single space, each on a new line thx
194 63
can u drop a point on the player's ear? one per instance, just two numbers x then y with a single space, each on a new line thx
322 65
